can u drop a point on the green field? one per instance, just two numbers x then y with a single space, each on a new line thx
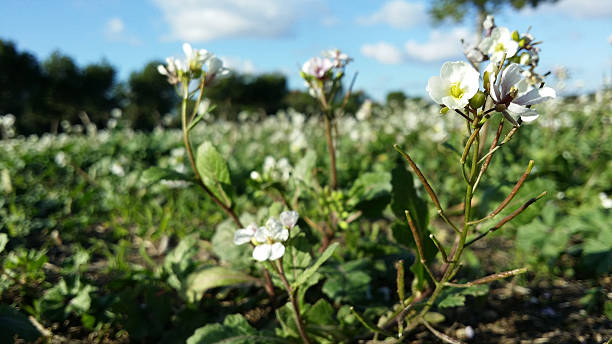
97 247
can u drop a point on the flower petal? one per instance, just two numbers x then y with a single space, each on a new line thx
454 103
262 234
510 77
244 235
277 250
535 96
262 252
526 114
289 218
437 89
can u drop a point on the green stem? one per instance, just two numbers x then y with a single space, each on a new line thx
294 304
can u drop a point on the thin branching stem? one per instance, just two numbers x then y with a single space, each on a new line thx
419 245
487 161
510 196
427 186
507 218
296 308
488 279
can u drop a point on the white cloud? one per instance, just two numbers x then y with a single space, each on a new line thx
398 14
440 46
239 65
115 26
115 32
205 20
383 52
584 9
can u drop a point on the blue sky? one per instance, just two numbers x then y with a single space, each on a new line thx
394 44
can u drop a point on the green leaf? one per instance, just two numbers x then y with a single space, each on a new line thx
321 313
155 174
200 116
200 281
404 197
213 171
452 300
14 323
3 241
303 169
223 246
476 290
434 317
311 270
321 322
369 186
348 282
234 330
608 309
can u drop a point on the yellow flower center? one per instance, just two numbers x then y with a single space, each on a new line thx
500 47
456 91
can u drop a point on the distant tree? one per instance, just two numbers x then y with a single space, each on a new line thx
396 97
302 102
21 85
62 90
99 91
240 92
458 9
149 96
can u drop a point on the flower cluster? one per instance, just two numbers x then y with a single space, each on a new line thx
192 67
509 81
268 239
321 73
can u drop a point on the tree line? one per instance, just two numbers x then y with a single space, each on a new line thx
43 94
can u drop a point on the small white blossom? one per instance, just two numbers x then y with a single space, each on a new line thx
269 241
215 69
606 201
499 43
289 218
488 25
317 67
513 91
457 83
171 70
195 57
244 235
117 170
340 59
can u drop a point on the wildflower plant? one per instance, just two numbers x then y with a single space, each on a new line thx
286 253
505 91
323 77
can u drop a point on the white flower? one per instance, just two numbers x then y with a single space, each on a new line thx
488 25
340 59
457 83
269 241
499 43
195 57
170 70
317 67
606 201
215 69
244 235
289 218
513 91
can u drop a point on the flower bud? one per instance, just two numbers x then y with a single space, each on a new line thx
485 78
500 107
515 36
444 110
522 43
525 58
477 100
